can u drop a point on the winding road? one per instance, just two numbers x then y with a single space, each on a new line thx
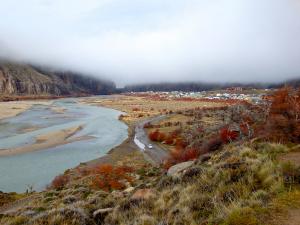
155 154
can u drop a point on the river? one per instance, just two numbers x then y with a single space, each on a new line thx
19 172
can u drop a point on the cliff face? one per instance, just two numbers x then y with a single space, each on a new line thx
16 79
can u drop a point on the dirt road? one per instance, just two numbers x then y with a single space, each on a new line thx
151 150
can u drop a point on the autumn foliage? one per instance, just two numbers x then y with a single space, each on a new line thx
181 155
228 135
60 181
108 177
157 136
169 140
153 136
283 121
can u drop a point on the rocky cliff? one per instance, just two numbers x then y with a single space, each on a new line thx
17 79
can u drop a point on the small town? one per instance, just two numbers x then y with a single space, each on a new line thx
253 95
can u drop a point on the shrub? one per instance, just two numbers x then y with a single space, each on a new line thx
282 123
169 140
108 177
189 154
157 136
183 152
228 135
181 155
180 143
153 136
161 137
60 181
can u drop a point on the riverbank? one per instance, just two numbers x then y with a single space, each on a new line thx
136 110
14 108
126 153
11 106
5 98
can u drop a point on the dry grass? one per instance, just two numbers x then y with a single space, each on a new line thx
136 106
232 191
242 184
239 185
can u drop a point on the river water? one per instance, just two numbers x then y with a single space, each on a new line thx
37 169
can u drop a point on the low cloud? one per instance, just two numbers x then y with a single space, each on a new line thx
150 41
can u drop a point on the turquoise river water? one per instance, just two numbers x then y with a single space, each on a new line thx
37 169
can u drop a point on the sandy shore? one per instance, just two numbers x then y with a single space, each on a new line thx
58 110
11 109
48 140
127 153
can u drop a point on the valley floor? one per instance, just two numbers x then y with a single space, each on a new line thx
247 182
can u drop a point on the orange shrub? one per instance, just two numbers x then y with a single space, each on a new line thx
161 137
60 181
228 135
283 122
181 155
180 143
153 136
108 177
157 136
169 140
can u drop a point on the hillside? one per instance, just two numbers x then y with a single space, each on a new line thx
201 86
27 80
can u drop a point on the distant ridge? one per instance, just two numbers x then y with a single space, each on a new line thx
27 80
201 86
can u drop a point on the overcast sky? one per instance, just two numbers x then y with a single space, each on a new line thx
130 41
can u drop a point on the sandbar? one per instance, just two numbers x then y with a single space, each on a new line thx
48 140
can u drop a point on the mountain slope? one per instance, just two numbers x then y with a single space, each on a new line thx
202 86
17 79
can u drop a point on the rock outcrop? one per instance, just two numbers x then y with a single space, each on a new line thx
177 169
26 80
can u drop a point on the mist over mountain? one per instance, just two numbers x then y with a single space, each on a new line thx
21 79
157 41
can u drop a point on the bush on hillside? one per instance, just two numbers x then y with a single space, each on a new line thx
108 177
283 120
60 181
